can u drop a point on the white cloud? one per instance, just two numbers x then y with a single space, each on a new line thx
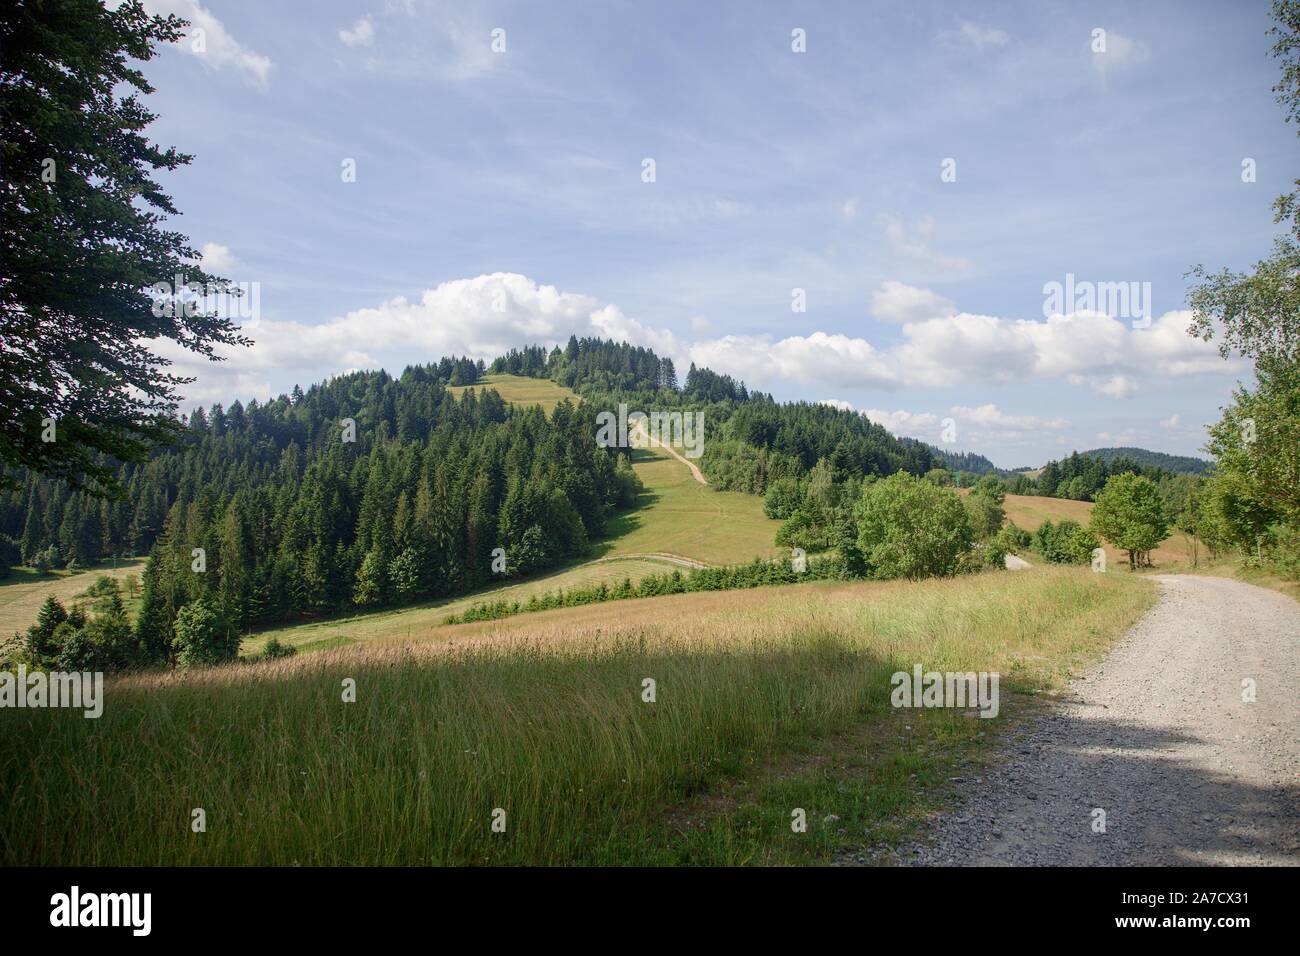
923 425
849 210
1121 51
1088 349
482 317
915 243
361 33
990 416
813 359
700 325
486 316
207 38
217 259
1114 386
896 302
837 403
983 36
978 425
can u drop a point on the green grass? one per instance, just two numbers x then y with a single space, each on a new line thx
1236 567
544 719
520 390
420 619
678 515
24 591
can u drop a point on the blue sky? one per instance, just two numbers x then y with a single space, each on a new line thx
499 196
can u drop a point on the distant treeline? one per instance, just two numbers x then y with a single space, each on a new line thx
1080 477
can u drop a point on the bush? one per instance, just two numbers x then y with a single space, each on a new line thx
1014 538
274 650
1130 514
782 498
203 636
1080 544
910 528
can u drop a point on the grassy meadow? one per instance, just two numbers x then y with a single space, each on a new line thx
24 591
521 390
678 515
766 701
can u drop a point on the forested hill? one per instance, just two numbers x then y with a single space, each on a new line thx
1178 464
967 461
752 440
363 490
368 490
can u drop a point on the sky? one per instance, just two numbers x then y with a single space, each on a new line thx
857 203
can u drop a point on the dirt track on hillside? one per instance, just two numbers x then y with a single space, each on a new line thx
1159 737
641 434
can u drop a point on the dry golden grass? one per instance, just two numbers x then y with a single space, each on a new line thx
401 623
22 595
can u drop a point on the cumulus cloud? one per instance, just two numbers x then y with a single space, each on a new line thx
482 317
896 302
361 33
991 416
217 259
1113 386
1087 349
486 316
812 359
922 425
980 425
208 39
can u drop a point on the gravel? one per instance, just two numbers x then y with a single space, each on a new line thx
1159 737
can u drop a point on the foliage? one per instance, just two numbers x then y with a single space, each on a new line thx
203 636
908 527
1130 515
82 211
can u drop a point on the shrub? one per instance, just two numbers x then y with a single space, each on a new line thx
203 636
1130 515
782 498
911 528
274 650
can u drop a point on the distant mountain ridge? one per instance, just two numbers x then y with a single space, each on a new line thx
1179 464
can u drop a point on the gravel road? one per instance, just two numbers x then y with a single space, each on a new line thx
1159 737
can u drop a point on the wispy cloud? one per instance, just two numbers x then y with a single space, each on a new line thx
208 39
361 33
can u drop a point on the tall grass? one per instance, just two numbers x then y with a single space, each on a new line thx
544 720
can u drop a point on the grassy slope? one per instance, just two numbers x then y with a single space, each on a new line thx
24 591
521 390
678 515
783 693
